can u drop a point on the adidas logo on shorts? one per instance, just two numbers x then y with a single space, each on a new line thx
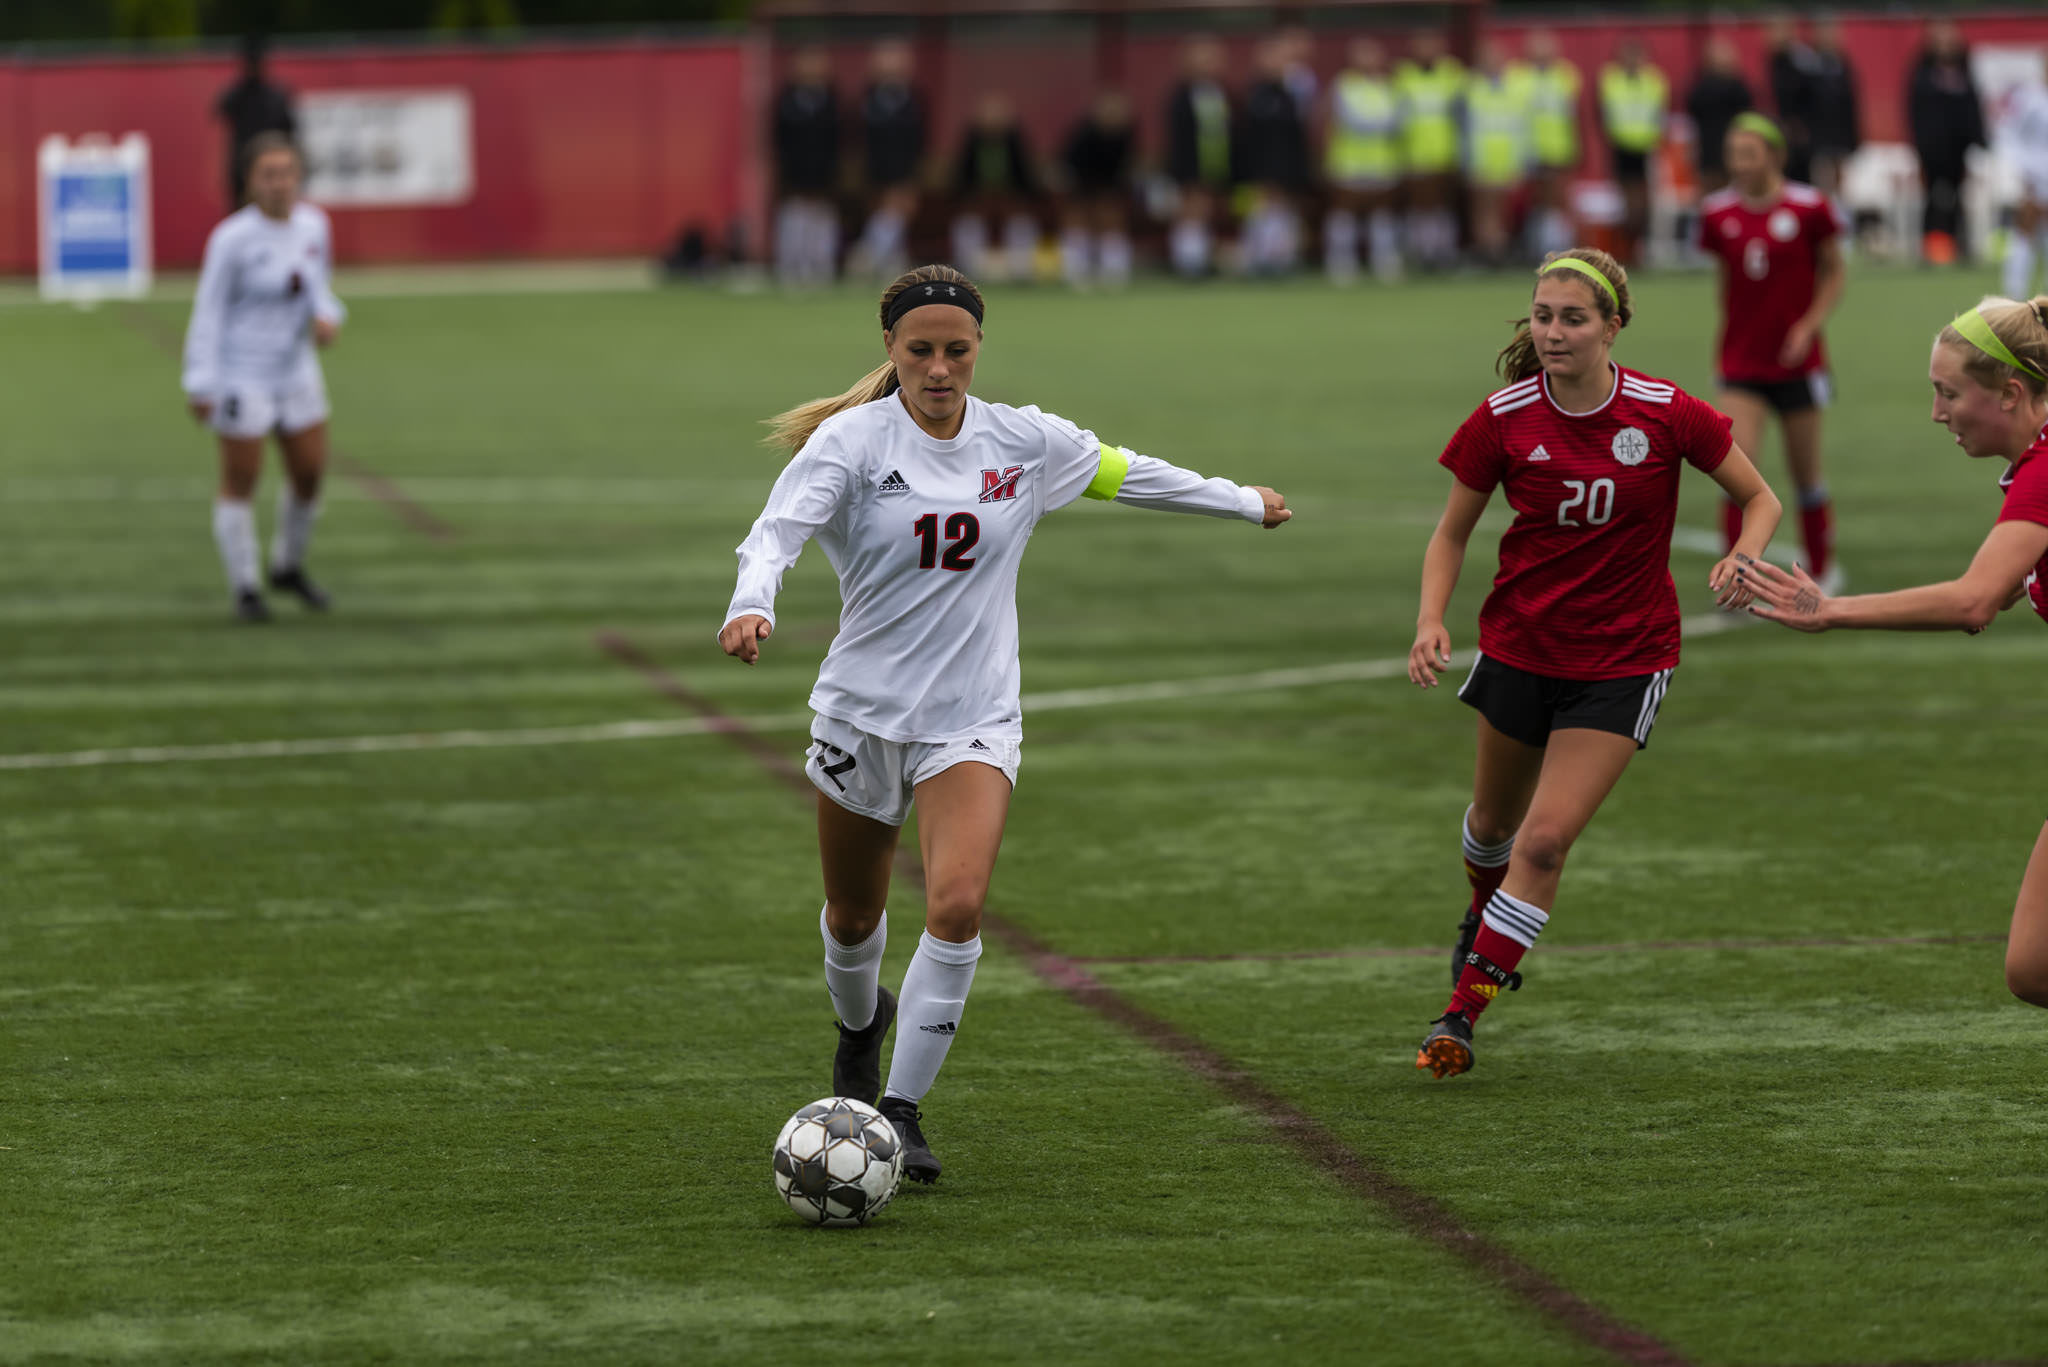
895 483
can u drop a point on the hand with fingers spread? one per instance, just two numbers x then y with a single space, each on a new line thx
1430 655
1793 599
742 636
1725 579
1277 510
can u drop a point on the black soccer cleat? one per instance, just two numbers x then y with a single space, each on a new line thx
294 580
1447 1049
857 1066
920 1164
250 607
1468 931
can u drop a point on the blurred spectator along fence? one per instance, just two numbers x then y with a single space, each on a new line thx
610 148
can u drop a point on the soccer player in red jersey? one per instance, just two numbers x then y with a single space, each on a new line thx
1579 637
1990 376
1779 245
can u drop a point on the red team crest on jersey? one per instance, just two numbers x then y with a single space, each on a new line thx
1000 485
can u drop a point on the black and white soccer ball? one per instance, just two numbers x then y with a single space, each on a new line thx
837 1162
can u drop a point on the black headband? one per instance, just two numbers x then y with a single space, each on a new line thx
938 292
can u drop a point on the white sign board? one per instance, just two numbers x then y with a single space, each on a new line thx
92 216
386 148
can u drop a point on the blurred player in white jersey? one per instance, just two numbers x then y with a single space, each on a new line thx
2023 139
264 303
922 500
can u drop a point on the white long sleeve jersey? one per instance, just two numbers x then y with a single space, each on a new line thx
2022 136
262 284
926 537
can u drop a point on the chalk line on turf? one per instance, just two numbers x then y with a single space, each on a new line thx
660 728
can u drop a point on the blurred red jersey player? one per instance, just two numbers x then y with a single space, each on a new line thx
1579 638
1779 245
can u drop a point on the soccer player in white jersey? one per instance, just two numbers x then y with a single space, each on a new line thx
264 303
923 499
2023 139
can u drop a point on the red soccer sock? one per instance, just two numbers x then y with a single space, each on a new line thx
1485 865
1731 524
1817 527
1507 931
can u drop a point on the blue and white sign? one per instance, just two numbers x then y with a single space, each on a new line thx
92 202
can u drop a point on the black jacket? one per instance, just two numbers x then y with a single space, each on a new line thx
806 135
1183 155
1835 120
893 119
1098 158
1713 102
995 163
1944 114
1273 140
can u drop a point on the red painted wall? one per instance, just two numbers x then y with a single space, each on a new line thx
594 150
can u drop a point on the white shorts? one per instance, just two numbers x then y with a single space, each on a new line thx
256 408
875 777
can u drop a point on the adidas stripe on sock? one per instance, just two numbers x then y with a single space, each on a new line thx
928 1012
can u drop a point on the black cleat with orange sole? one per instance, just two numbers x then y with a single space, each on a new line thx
1447 1050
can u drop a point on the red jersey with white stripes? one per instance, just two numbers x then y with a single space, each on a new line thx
2026 500
1770 258
1584 589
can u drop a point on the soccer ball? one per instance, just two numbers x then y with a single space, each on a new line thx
837 1162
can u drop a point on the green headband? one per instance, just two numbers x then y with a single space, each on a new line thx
1976 330
1752 122
1572 263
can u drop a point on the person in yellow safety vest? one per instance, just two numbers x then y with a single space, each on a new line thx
1363 160
1498 151
1633 98
1430 84
1200 131
1554 87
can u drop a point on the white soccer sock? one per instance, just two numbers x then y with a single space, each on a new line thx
234 533
1520 921
970 243
1113 254
853 973
1383 231
2019 264
1340 244
822 243
1188 245
1020 246
789 242
928 1012
294 529
1485 856
1074 255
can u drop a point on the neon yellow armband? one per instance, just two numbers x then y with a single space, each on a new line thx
1109 476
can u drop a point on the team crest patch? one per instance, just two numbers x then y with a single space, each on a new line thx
1631 447
1000 485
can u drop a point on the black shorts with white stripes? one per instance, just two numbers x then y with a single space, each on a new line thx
1528 707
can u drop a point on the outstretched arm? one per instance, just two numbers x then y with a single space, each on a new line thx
1145 482
1738 477
1431 652
1987 588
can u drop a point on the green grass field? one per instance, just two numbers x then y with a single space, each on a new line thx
475 1054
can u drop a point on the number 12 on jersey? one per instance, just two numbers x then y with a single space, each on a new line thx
962 529
1594 501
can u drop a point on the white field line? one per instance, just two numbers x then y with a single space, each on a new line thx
1266 680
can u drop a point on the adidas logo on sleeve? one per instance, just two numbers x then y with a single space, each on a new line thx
893 483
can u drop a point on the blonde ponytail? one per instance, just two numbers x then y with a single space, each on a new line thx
793 428
1518 359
